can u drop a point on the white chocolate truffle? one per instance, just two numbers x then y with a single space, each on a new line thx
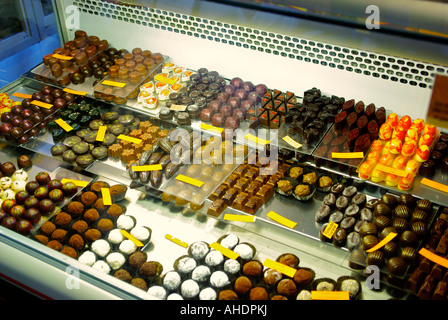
87 258
18 185
171 280
157 291
189 289
199 250
214 258
219 279
186 264
174 296
115 237
141 233
125 222
230 241
232 266
244 250
101 248
101 266
201 273
115 260
127 247
208 294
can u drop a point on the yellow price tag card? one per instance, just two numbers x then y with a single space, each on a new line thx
225 251
280 267
434 257
208 127
22 95
129 236
62 57
397 172
292 142
79 93
347 155
383 242
114 83
282 220
42 104
176 241
151 167
164 79
101 133
330 229
194 182
64 125
78 183
107 200
435 185
330 295
257 140
239 217
130 139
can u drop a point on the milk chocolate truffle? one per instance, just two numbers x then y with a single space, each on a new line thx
88 198
137 259
258 293
287 287
92 235
80 226
75 208
253 268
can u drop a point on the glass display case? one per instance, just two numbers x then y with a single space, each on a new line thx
283 60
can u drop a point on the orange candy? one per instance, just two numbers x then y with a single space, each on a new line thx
392 179
411 134
387 159
376 145
400 162
412 166
385 132
405 121
426 139
409 148
399 132
405 183
419 124
377 175
430 130
392 119
365 170
373 157
395 146
422 153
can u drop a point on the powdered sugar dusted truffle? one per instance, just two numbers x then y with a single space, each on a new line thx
232 266
198 250
158 292
127 247
125 222
214 258
141 233
101 266
171 280
245 251
115 260
115 237
87 258
229 241
20 175
174 296
201 273
350 285
185 264
101 248
189 289
219 279
207 294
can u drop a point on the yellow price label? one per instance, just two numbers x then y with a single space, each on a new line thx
280 267
292 142
330 295
330 229
101 133
107 200
164 79
257 140
225 251
64 125
130 139
114 83
282 220
79 93
42 104
151 167
239 217
22 95
129 236
194 182
383 242
347 155
208 127
62 57
435 185
78 183
176 241
397 172
434 257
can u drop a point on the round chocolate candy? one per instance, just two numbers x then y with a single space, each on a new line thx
381 222
369 241
409 239
396 266
375 258
390 249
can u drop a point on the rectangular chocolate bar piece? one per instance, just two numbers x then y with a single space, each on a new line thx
240 201
216 208
229 196
252 205
218 193
265 193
